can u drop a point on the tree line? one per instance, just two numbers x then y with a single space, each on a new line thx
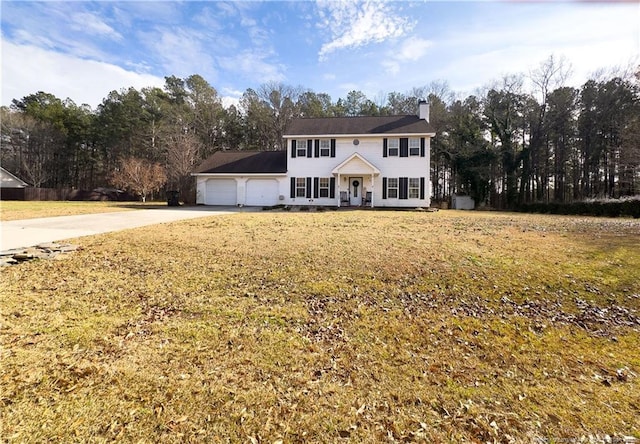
504 145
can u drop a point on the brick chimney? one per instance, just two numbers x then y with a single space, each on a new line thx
423 108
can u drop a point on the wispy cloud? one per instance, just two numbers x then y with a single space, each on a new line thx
353 24
253 65
181 51
92 24
410 50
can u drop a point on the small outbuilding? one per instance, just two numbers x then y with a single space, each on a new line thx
462 202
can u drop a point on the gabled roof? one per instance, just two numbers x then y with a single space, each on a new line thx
356 164
9 180
327 126
249 162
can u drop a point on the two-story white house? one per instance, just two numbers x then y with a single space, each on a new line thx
338 161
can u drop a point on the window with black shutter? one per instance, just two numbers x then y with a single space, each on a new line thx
308 188
309 148
333 147
422 145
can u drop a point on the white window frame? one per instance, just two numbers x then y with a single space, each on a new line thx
301 187
414 188
414 146
301 147
325 148
393 185
323 187
393 144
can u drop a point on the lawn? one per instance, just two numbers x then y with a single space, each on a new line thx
359 326
15 210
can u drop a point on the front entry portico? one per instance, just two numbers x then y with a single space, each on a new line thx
355 177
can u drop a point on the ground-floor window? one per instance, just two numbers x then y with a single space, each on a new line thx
323 187
414 187
301 187
403 187
392 188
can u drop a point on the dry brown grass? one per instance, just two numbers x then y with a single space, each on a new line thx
323 327
16 210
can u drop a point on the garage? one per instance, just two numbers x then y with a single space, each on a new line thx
221 192
262 192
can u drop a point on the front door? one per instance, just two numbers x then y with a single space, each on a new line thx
355 191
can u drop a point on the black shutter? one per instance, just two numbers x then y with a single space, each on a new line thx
384 187
422 147
316 185
333 147
404 147
293 148
316 152
332 187
385 151
309 148
308 188
293 186
422 188
404 187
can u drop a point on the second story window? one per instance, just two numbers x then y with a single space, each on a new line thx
301 147
325 148
414 147
394 146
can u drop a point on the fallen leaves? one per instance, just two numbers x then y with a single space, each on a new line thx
327 327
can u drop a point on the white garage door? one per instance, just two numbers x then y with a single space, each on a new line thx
262 192
221 192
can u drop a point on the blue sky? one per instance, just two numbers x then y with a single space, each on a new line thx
83 50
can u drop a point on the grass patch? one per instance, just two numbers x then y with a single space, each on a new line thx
16 210
317 327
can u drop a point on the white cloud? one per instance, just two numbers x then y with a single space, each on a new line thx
182 51
65 76
353 24
253 65
90 23
410 50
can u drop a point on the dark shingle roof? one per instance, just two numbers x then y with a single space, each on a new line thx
359 125
249 162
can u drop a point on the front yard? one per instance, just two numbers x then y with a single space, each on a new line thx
361 326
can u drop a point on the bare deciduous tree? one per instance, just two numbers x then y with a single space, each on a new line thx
140 176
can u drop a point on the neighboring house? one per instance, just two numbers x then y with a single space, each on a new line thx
11 186
337 161
8 180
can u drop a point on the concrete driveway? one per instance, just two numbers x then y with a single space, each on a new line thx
30 232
